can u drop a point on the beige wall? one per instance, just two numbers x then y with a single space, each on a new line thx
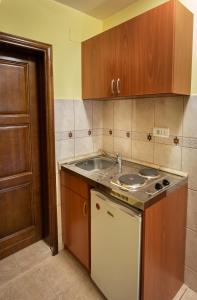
141 6
56 24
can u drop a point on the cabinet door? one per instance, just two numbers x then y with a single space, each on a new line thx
126 55
75 225
98 66
145 53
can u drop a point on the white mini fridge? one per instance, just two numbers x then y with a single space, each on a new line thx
115 248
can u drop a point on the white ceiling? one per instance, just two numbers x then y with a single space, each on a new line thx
100 9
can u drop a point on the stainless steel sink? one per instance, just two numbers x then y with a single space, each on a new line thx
96 164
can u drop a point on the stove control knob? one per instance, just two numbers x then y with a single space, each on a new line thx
158 186
166 182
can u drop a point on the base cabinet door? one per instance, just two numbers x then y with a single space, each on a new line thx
164 246
75 225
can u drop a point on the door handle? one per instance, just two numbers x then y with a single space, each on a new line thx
85 208
112 86
118 86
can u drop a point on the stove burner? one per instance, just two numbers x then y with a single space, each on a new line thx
149 173
131 181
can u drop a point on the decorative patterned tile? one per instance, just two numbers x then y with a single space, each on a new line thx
122 134
169 141
83 133
108 131
66 135
97 132
142 136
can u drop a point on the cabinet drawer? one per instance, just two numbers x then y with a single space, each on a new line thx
75 184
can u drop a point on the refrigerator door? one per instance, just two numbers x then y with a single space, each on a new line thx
115 248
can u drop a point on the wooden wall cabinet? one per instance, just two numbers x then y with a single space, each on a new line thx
148 55
75 204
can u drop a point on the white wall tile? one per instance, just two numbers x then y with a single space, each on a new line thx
97 143
108 114
190 117
83 146
189 165
191 247
191 279
143 115
97 114
122 146
169 114
108 144
64 149
83 114
168 156
122 114
142 151
64 115
192 210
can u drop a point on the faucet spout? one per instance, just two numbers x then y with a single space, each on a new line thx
119 161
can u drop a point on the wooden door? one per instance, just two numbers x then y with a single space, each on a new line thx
20 186
75 225
98 68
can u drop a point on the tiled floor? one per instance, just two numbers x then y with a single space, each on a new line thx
33 274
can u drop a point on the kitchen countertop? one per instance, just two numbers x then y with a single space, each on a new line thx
102 181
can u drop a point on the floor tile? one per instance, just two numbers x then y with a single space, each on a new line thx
189 295
33 274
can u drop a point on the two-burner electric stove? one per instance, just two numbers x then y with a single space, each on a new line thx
138 185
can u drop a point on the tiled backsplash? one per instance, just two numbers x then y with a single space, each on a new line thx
124 126
78 127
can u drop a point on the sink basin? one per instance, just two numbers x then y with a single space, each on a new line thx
97 163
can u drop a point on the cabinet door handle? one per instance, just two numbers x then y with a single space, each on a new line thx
118 86
85 209
112 86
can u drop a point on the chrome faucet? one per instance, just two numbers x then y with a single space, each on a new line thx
119 161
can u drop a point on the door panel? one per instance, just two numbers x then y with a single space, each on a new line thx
20 180
16 139
13 92
15 209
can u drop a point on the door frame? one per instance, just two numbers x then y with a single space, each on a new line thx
44 52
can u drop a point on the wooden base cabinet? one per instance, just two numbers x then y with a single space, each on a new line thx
163 246
148 55
75 203
163 236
